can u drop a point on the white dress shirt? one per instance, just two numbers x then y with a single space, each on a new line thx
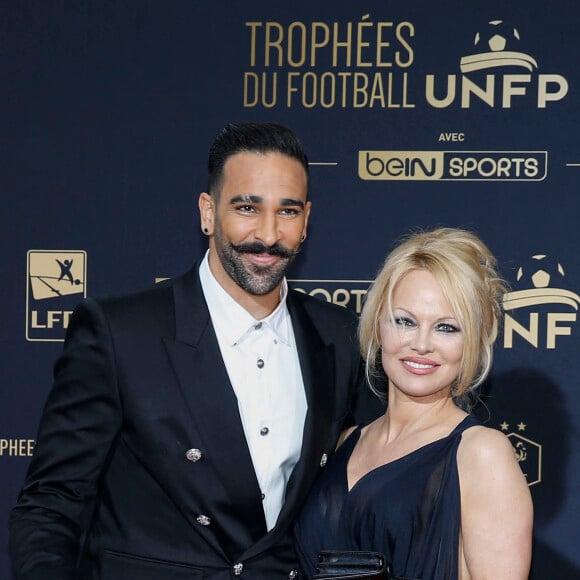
262 363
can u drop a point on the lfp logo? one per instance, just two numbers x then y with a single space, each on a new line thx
56 283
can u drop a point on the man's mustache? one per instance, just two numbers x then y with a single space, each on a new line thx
259 248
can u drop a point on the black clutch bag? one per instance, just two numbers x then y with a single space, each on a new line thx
352 565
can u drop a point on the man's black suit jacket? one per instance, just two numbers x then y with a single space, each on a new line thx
140 382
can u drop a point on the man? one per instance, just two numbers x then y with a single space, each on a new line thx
187 422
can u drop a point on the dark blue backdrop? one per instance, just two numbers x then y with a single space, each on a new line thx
108 109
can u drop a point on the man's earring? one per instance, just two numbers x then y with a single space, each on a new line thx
302 238
205 231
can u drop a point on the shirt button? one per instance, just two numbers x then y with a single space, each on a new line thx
193 454
264 431
257 326
263 496
260 363
237 569
203 520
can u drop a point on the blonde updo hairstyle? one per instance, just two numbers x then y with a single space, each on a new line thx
466 271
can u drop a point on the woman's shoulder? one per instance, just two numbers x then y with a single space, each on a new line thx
481 439
496 505
485 451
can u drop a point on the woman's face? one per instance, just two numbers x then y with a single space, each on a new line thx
422 346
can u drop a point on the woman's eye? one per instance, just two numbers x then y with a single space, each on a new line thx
402 321
446 327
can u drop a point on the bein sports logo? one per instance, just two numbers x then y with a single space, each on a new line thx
452 165
347 293
558 306
496 47
56 281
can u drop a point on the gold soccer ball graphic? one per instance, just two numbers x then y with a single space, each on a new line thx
541 271
497 36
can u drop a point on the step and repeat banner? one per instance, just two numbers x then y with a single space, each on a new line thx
414 114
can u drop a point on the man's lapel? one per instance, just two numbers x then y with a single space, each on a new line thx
213 409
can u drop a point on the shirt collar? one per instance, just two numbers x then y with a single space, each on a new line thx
233 321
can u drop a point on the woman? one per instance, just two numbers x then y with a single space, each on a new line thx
440 495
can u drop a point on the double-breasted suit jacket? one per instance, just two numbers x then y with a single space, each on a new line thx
141 468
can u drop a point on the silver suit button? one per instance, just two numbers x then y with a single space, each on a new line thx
193 454
238 569
203 520
293 574
323 460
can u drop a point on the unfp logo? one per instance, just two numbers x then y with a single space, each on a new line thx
496 47
543 311
347 293
56 283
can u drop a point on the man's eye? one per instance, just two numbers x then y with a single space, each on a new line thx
289 211
245 208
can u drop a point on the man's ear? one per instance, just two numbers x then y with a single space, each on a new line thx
206 206
307 209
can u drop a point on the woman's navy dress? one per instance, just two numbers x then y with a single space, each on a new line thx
408 509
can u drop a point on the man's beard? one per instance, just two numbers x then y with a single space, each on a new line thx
254 279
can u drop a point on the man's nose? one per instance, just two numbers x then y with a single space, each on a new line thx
267 230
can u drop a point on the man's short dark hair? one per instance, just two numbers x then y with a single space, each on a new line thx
253 138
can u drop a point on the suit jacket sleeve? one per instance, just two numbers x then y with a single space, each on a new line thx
80 422
365 406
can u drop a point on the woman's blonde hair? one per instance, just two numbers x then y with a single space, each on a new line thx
466 271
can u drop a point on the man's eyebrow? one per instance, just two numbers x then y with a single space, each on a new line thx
291 202
246 198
